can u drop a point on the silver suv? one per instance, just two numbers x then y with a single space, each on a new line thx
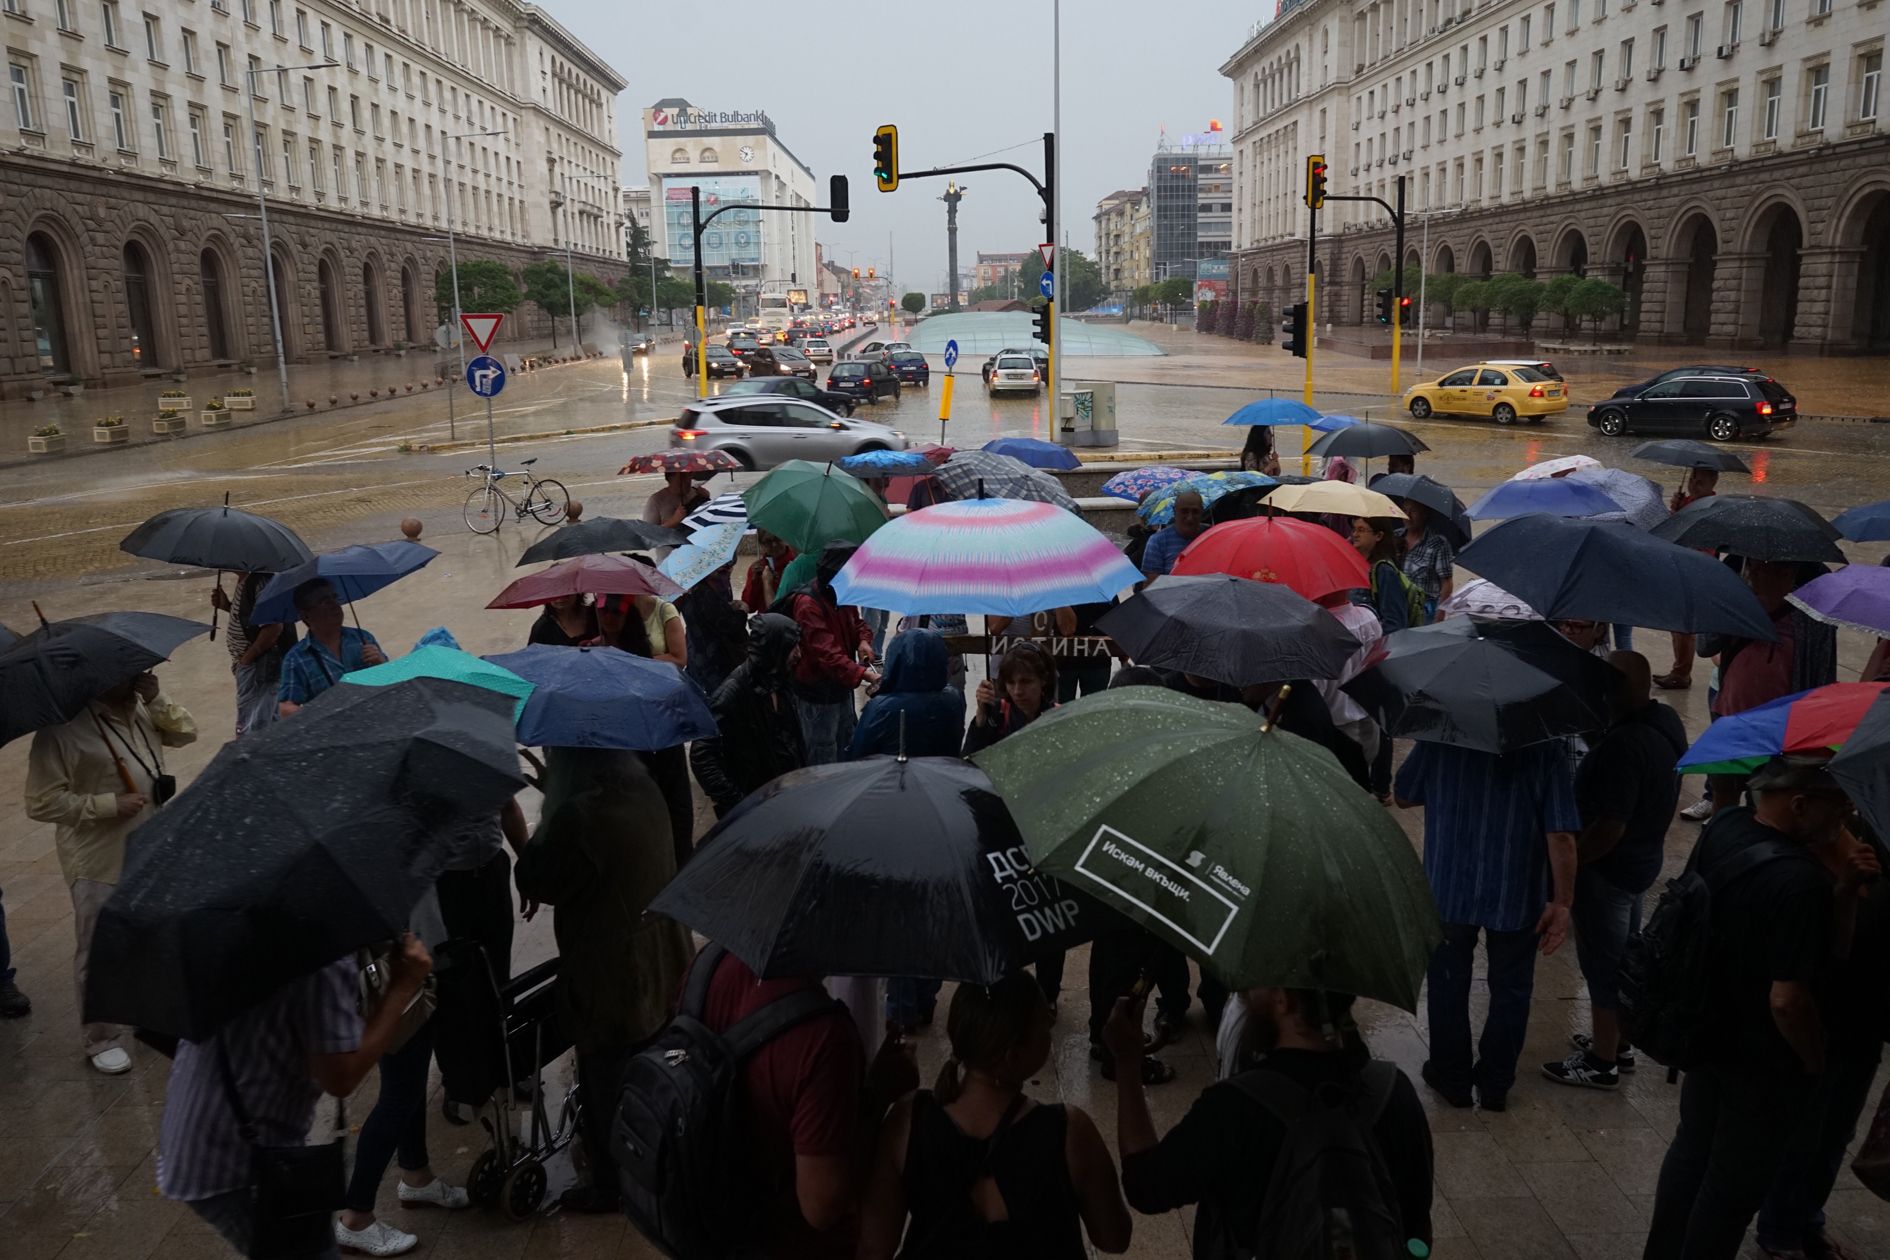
763 430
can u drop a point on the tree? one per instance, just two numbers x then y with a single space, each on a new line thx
1557 294
1207 317
1474 296
913 303
1441 290
545 287
1142 298
1175 291
1595 299
484 286
721 295
1243 324
1082 278
1521 298
673 293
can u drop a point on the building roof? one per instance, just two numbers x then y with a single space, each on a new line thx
575 50
1002 258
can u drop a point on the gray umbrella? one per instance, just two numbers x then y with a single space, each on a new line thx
975 474
1642 503
599 536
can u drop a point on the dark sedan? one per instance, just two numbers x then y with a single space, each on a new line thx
791 361
721 360
911 368
864 381
1721 407
837 401
1641 387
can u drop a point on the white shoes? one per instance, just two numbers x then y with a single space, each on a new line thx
1699 811
112 1062
378 1239
435 1193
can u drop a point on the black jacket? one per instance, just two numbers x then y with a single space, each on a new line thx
758 731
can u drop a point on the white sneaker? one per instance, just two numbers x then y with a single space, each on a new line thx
1699 811
378 1239
112 1061
435 1193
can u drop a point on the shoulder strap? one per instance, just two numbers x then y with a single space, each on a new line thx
701 975
1727 869
758 1028
1380 1080
1289 1101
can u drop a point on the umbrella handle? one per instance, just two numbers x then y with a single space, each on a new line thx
124 775
215 611
39 614
1273 709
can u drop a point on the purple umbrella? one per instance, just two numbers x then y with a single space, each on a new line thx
1857 596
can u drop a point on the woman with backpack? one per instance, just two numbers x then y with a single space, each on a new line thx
981 1169
1398 605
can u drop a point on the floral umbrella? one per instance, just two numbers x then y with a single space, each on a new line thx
1159 508
710 461
1137 483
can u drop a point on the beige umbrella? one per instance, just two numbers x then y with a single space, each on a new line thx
1336 497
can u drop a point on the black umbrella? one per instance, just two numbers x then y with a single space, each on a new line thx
7 638
218 538
1447 510
1231 629
299 843
1611 571
1757 527
1863 766
600 536
1488 685
1687 453
881 867
50 675
1367 440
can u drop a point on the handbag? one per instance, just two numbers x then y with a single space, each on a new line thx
294 1191
1872 1164
377 976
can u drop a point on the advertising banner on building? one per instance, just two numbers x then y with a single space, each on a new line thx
734 238
1210 280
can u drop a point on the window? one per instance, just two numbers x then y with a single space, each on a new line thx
1820 90
1542 87
288 159
354 111
75 116
1522 34
153 46
1690 135
1729 117
249 11
219 6
1568 78
1594 148
275 17
1820 8
20 81
1869 86
1479 122
232 160
360 178
1568 157
1660 48
1574 14
334 105
161 127
315 165
223 66
1483 52
255 78
367 55
198 154
1597 67
1625 145
1694 24
301 28
121 124
347 49
1601 9
308 97
62 15
1775 15
13 7
328 41
110 10
1627 59
1542 162
1735 17
190 53
339 162
1774 89
1656 135
374 112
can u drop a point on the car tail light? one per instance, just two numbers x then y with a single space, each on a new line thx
1765 408
1537 392
1036 376
690 435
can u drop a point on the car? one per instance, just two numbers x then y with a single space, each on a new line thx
818 349
763 360
1640 387
1722 406
911 368
795 387
721 361
1039 354
1541 365
1014 373
764 430
791 362
743 344
880 350
1505 394
868 380
636 342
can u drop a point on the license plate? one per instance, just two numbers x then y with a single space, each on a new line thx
1555 393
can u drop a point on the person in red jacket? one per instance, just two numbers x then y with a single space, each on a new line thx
763 585
836 657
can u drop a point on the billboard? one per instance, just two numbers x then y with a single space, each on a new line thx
734 238
1210 280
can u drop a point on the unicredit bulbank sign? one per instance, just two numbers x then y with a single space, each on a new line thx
689 116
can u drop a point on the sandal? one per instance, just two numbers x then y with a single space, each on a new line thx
1154 1071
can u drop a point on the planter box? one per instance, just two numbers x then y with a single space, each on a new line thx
111 434
174 404
164 428
46 445
240 402
215 419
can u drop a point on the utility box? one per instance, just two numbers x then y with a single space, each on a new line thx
1087 416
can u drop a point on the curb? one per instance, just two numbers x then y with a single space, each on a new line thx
512 439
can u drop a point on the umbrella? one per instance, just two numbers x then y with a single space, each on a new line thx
604 697
1328 424
433 661
1551 467
1480 597
1754 526
602 575
1138 483
1033 452
1245 846
1488 685
1417 488
883 867
1808 722
49 676
1159 508
1554 496
599 535
811 505
883 463
986 475
1856 596
1233 630
988 556
723 509
7 638
1336 497
1611 571
300 843
1309 558
1687 453
1867 523
1367 440
355 572
706 551
1643 504
1863 766
1273 411
218 538
689 461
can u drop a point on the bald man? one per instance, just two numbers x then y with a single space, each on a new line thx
1190 517
1626 789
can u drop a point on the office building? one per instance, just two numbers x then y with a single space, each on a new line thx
1190 199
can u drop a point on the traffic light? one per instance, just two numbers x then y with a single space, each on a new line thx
1404 312
1384 306
886 157
856 273
1316 180
837 198
1293 329
872 273
1043 324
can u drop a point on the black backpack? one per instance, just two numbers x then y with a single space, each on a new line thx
677 1133
1665 982
1330 1194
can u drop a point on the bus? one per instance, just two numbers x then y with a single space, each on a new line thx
775 314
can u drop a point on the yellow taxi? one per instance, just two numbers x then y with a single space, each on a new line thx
1504 392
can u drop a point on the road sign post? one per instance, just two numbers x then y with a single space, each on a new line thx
1047 284
481 328
485 376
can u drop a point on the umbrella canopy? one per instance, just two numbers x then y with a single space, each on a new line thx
1611 571
1308 558
7 638
1755 526
1247 847
1869 522
883 867
1336 497
1810 722
689 461
986 475
1273 411
355 573
450 664
1480 597
1687 453
600 535
1863 766
1856 596
1417 488
883 463
1552 467
1367 440
600 575
1555 496
723 509
1328 424
1138 483
1233 630
994 556
301 842
49 676
1036 453
706 551
811 505
1159 508
1643 504
218 538
604 697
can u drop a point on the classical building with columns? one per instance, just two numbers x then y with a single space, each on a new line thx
130 244
1726 162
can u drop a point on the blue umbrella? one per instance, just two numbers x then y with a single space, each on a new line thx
886 463
355 572
1033 452
1869 522
706 551
1273 411
1553 496
605 698
1326 424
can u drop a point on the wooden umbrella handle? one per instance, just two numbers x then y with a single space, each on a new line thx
124 773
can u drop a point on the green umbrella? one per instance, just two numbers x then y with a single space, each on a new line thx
811 505
434 661
1247 847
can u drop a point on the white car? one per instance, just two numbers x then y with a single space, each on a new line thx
817 349
1014 373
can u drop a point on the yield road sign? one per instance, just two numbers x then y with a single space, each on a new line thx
1047 284
1049 255
485 376
482 329
951 354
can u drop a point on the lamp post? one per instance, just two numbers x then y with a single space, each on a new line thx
262 209
452 264
954 193
560 201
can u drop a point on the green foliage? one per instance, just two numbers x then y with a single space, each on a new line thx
1517 297
1595 300
545 288
484 286
1473 296
720 293
1082 279
1175 291
913 303
1441 290
1557 294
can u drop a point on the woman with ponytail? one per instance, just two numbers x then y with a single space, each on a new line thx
979 1168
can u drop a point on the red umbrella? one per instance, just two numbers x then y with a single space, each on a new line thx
1308 558
602 575
709 461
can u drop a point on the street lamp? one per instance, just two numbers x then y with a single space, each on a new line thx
262 208
452 262
560 201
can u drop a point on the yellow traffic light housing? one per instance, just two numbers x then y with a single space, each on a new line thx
1316 180
886 157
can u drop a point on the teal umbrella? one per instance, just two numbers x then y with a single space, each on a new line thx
433 661
811 505
1245 846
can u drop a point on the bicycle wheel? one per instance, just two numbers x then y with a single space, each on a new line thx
547 501
485 510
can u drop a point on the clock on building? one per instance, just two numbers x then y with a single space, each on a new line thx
747 154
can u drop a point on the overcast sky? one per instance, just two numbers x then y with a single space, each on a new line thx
959 80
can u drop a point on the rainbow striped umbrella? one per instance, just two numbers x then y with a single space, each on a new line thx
1811 722
1001 556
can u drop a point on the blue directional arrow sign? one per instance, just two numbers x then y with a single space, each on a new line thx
485 376
951 354
1047 284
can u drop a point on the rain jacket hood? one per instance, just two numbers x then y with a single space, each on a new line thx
916 661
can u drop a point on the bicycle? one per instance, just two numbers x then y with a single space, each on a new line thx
544 498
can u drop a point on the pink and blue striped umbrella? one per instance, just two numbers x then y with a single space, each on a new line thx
1000 556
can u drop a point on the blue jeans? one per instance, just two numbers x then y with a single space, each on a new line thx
1814 1155
256 687
232 1215
826 729
398 1122
1623 637
1603 915
1512 979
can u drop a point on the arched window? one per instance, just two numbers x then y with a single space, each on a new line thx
215 318
371 295
138 305
47 304
679 157
708 157
331 305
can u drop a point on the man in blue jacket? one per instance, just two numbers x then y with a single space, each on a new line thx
914 688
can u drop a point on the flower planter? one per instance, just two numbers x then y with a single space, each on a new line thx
52 444
215 419
239 402
110 434
174 403
164 427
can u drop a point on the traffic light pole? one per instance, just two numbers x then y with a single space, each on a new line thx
1397 278
1312 323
